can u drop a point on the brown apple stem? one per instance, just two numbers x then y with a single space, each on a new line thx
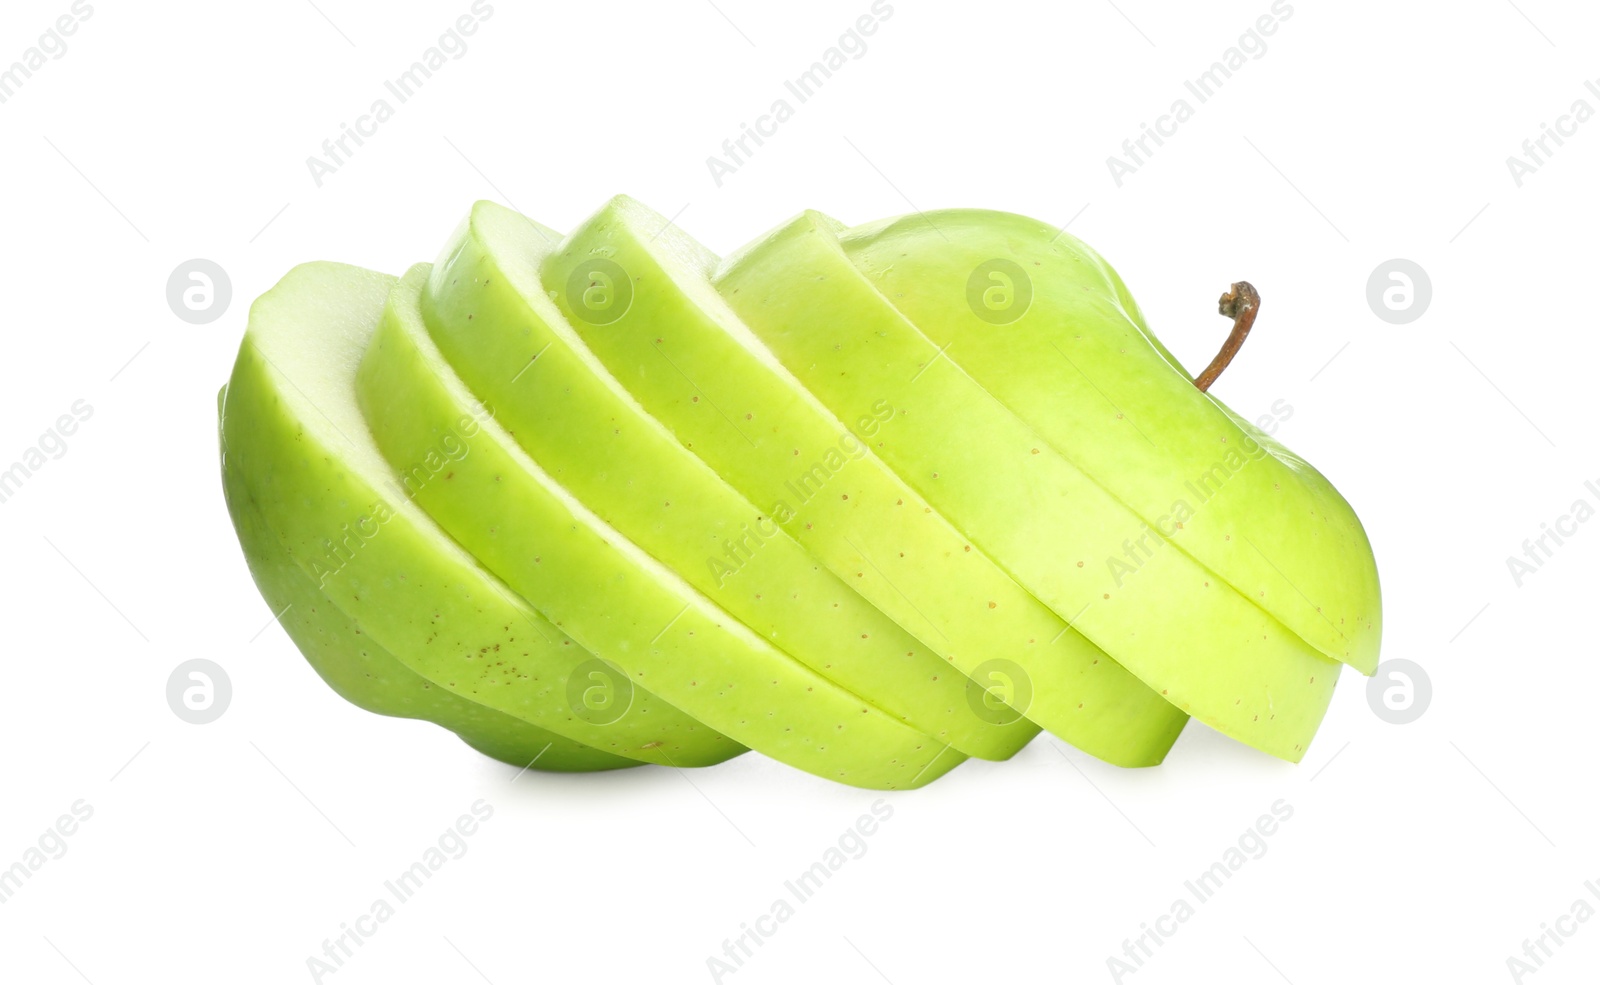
1240 304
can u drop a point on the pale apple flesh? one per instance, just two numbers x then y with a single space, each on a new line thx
370 677
1082 368
686 357
485 310
866 500
606 593
302 449
1174 624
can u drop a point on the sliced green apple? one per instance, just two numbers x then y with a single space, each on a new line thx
1177 626
1080 366
370 677
297 438
605 591
485 310
636 290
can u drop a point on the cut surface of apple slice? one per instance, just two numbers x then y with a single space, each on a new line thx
1171 622
1074 358
296 436
370 677
602 589
674 343
485 310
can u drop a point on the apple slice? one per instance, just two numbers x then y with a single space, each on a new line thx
485 310
294 432
370 677
1079 365
605 591
1177 626
667 336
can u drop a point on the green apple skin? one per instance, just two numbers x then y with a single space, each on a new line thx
1080 361
604 591
1175 625
370 677
296 436
684 354
504 338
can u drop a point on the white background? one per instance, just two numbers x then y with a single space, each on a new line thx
1367 131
